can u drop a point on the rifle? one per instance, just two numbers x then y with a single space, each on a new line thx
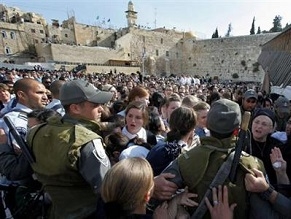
239 145
19 140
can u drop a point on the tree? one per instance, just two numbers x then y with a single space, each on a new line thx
287 26
259 30
252 31
277 26
215 34
228 30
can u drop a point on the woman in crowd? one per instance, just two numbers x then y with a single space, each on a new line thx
178 139
171 103
138 93
124 199
201 110
136 118
5 95
115 142
156 125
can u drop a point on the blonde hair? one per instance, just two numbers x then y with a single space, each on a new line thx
201 105
127 183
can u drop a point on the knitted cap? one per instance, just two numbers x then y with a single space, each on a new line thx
224 116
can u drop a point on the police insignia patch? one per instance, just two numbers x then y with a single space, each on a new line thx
99 152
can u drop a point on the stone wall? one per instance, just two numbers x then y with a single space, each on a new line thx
77 54
222 57
87 35
153 46
16 40
102 68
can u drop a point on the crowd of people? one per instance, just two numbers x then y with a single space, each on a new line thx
127 146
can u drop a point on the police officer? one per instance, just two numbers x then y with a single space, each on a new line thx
198 167
30 95
70 156
14 166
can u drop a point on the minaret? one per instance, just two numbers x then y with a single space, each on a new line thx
131 15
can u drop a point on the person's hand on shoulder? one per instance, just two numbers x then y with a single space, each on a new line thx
164 189
257 182
220 208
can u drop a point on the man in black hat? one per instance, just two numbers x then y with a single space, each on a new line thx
197 168
70 156
261 142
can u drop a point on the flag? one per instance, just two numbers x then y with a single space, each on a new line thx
97 18
108 20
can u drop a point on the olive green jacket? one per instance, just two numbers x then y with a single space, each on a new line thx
56 147
198 167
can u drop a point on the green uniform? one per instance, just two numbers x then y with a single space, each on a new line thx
198 167
58 149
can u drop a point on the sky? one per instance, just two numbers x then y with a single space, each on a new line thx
202 17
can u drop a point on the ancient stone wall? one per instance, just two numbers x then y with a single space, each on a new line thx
222 57
76 54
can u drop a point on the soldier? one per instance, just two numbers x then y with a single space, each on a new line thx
198 167
70 156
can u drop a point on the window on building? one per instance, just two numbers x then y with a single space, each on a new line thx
177 55
4 34
8 50
36 41
167 53
162 40
38 22
12 35
157 52
32 30
66 35
41 31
